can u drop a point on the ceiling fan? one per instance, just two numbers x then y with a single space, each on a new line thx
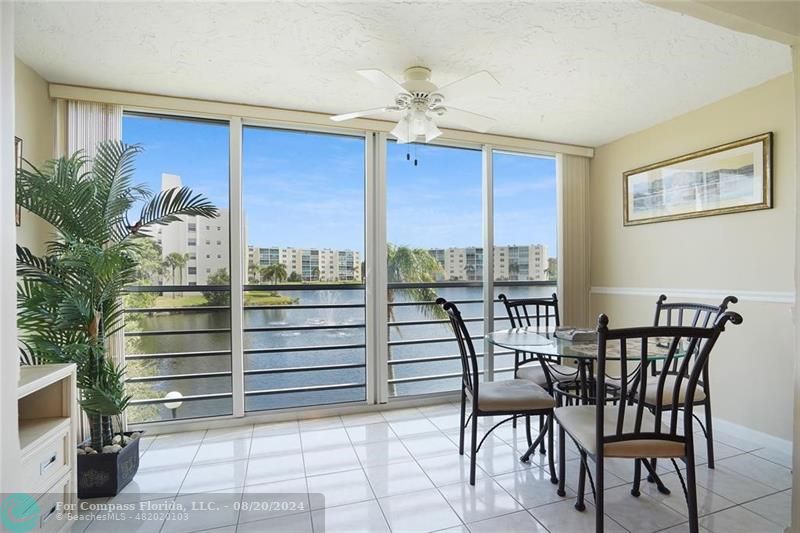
421 102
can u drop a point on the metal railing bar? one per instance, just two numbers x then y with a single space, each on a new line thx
305 287
310 388
189 398
283 349
434 358
429 341
425 322
176 288
193 309
313 368
171 377
170 355
226 373
433 302
304 327
303 306
431 359
198 331
433 377
435 284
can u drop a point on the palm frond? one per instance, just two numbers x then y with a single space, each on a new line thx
167 206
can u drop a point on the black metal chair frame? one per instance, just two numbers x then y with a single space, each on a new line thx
520 315
695 315
687 372
470 382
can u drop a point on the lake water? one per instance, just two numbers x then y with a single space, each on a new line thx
291 359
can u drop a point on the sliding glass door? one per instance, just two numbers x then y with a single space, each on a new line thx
434 246
525 237
304 320
177 321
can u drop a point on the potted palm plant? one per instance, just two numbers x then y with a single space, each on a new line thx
70 298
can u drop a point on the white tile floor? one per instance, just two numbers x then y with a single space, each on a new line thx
399 471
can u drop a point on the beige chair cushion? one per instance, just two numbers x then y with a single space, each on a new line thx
579 422
535 373
514 395
651 392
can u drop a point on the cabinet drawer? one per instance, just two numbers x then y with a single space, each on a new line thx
46 463
51 503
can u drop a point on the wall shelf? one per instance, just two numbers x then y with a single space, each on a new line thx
47 403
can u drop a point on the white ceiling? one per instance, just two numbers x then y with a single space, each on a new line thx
576 72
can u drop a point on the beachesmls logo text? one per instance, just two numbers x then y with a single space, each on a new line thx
19 513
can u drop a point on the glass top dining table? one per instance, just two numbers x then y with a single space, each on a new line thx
543 341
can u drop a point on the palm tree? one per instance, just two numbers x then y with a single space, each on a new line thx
253 271
177 261
279 273
264 273
69 300
413 265
315 273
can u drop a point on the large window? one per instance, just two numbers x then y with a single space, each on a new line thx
177 324
304 336
525 240
295 331
434 250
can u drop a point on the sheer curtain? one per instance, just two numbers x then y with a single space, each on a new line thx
82 126
574 245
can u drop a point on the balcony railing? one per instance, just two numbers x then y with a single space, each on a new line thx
306 347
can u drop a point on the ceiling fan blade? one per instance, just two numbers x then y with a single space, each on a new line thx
380 79
357 114
480 84
473 121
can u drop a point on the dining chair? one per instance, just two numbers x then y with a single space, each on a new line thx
695 315
632 431
509 398
537 312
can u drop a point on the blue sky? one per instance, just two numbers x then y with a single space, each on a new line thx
307 189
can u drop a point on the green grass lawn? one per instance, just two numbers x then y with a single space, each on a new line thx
198 300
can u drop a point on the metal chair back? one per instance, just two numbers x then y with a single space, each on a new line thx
634 349
469 360
539 312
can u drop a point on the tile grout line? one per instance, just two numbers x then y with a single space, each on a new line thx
305 471
364 471
205 431
244 480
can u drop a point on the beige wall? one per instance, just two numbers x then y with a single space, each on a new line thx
35 124
752 370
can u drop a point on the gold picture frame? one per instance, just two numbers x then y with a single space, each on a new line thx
729 178
17 167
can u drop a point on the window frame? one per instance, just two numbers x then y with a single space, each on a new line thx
374 258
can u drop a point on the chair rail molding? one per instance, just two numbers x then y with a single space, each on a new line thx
778 297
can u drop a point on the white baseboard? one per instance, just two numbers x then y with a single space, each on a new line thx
766 439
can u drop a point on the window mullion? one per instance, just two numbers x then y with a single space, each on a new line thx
488 261
376 275
238 249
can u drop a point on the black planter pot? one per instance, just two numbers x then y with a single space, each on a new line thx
106 474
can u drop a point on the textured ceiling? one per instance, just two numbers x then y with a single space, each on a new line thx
576 72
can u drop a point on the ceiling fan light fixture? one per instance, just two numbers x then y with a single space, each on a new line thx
402 131
431 131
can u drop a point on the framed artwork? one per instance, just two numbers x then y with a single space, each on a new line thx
17 166
729 178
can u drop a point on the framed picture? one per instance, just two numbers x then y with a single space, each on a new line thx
728 178
17 166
